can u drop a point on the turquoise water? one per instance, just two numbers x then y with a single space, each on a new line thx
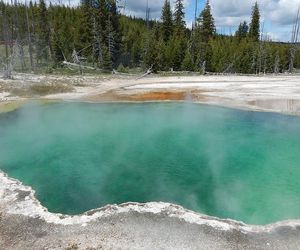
217 161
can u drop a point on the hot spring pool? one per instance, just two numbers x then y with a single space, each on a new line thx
221 162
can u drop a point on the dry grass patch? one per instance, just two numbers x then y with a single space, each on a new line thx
40 89
48 89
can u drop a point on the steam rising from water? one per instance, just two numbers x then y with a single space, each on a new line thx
223 162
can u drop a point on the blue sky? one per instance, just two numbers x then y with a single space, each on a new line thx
277 15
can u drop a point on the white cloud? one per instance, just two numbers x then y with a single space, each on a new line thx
284 11
281 12
278 15
138 8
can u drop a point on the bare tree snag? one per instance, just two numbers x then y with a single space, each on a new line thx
29 39
294 41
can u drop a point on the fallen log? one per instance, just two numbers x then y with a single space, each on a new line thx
149 71
77 65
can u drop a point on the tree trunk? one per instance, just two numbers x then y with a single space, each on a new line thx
29 40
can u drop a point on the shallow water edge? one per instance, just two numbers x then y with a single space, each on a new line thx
25 224
19 199
119 201
19 208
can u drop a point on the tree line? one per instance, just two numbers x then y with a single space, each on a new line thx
95 35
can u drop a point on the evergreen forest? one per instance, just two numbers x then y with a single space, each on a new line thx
40 37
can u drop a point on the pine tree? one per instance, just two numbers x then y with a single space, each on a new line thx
151 55
100 30
167 21
107 33
57 38
254 31
43 33
63 34
161 58
102 17
113 31
178 47
242 31
97 32
57 49
179 23
187 63
4 28
85 30
206 24
111 41
106 63
179 41
30 47
200 48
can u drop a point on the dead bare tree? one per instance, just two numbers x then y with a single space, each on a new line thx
4 32
231 64
260 50
294 42
20 42
276 63
149 71
11 62
254 61
76 59
196 12
203 68
263 53
29 38
111 40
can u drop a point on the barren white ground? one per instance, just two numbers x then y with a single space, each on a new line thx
270 93
278 93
